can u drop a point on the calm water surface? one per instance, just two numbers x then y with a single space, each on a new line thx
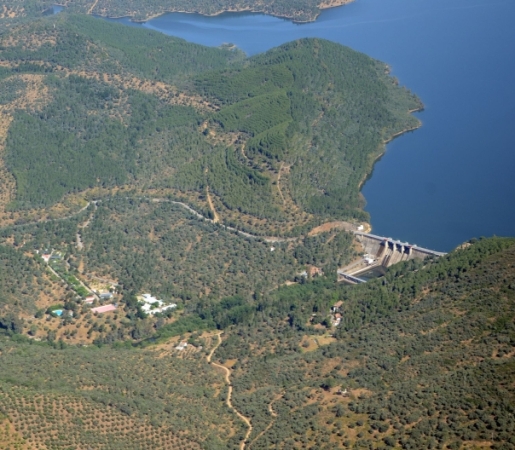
454 178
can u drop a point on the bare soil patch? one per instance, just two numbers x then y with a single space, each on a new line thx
325 4
216 217
329 226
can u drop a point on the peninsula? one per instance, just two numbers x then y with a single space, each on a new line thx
298 11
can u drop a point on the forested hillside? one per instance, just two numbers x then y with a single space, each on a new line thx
114 398
432 367
146 246
274 145
299 10
172 218
426 359
280 140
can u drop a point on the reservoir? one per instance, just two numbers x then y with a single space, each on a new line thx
453 178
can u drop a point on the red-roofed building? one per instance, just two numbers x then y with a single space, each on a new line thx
103 309
89 299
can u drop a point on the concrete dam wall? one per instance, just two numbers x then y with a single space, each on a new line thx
388 252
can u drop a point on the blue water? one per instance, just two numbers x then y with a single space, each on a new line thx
452 179
58 312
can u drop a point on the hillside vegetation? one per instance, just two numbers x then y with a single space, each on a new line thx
299 11
145 246
280 139
428 361
133 163
432 368
114 398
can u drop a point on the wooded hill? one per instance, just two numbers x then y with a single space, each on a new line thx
274 144
299 10
432 367
426 356
146 246
150 126
285 137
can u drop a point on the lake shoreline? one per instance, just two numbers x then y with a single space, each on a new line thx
436 201
383 145
323 6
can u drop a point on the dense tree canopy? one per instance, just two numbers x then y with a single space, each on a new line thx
182 116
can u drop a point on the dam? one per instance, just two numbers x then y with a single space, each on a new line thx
381 252
390 251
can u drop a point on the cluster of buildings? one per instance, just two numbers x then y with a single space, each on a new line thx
336 315
102 297
48 255
149 304
152 305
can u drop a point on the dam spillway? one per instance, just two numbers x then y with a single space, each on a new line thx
382 252
388 252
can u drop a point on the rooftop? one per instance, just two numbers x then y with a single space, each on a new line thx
103 309
152 305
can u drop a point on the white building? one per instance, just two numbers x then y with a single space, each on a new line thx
152 305
181 346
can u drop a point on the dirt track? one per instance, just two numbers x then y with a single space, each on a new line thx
229 392
216 217
274 416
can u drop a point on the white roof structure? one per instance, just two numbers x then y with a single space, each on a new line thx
152 305
181 346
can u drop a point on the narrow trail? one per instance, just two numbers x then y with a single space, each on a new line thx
213 350
243 152
92 7
279 184
270 409
80 244
69 216
274 416
269 239
216 217
229 392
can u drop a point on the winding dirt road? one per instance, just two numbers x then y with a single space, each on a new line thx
164 200
274 416
229 392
